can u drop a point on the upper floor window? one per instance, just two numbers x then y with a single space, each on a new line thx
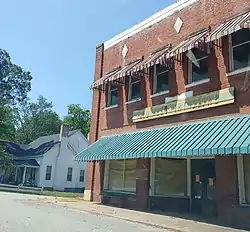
112 96
134 91
197 65
69 174
161 79
48 173
240 49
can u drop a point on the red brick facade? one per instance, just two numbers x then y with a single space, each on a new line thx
200 15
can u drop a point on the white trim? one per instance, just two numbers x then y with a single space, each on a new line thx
152 177
155 81
109 96
155 18
238 71
189 182
241 181
197 83
106 175
133 101
130 89
111 107
190 68
230 50
159 94
234 71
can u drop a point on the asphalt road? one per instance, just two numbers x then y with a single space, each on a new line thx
23 213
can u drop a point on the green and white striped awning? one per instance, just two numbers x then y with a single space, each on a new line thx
224 136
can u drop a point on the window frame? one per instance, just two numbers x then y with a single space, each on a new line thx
130 88
71 175
107 178
156 80
241 181
81 177
48 173
190 68
110 90
153 175
231 55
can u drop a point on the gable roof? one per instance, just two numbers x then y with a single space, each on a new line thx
36 148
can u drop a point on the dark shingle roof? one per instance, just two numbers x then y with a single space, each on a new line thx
26 162
38 147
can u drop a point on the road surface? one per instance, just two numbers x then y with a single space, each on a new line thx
24 213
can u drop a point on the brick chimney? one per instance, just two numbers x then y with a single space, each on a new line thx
64 132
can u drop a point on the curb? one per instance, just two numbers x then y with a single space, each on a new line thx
126 219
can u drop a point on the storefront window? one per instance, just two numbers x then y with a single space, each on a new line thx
246 163
170 177
122 175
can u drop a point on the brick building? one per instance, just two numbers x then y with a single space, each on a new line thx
170 127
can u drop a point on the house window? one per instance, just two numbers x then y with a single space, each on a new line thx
81 176
197 65
134 88
161 79
240 49
122 175
48 173
112 96
170 177
69 174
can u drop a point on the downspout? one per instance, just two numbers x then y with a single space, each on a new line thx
97 126
55 170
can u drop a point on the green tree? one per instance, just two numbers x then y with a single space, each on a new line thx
78 119
5 163
15 83
7 128
35 119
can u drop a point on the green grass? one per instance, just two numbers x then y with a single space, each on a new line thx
44 193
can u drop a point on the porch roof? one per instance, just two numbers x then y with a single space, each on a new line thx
26 162
230 26
222 136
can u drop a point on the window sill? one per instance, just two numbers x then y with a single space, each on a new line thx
111 107
133 101
159 94
198 83
117 193
238 71
169 196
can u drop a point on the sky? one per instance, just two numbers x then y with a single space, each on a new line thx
56 39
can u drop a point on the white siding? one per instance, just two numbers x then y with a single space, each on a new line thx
69 147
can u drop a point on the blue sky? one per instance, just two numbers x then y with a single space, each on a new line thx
55 40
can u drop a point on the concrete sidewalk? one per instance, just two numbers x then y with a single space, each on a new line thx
170 223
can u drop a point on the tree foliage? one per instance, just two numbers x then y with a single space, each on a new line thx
78 119
35 119
15 83
5 163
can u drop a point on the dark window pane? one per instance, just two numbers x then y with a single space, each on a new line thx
69 175
241 56
136 90
199 54
81 176
240 37
200 70
160 69
113 97
162 82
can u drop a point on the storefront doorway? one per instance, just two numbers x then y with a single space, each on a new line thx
203 186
